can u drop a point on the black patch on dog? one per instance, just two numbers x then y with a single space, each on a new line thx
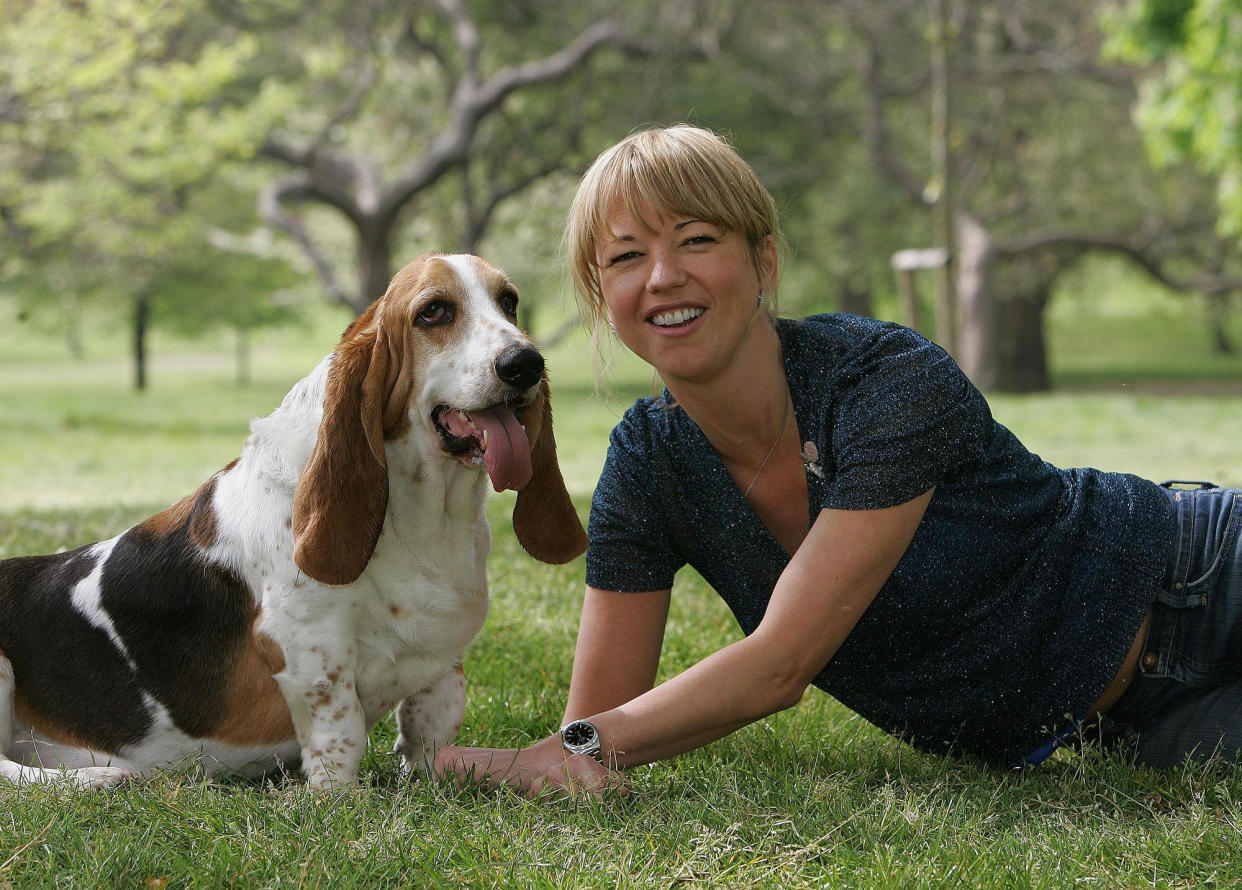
181 619
67 670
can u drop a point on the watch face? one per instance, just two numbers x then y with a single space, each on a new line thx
578 734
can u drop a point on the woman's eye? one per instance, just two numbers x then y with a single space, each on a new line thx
699 239
509 302
622 257
435 313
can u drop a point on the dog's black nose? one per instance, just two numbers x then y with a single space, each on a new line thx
520 366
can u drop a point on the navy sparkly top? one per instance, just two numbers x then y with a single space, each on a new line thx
1018 597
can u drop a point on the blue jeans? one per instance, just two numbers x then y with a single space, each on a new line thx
1186 701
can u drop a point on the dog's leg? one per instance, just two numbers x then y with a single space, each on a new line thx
430 720
16 774
327 715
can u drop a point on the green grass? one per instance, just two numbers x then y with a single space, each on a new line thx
812 797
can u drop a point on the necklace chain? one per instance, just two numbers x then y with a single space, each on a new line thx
771 451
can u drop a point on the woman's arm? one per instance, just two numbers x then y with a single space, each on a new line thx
618 651
844 560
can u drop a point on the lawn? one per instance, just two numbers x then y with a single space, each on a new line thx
812 797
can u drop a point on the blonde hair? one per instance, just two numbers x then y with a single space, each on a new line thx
683 170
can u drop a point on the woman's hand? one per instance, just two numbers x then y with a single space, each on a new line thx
543 768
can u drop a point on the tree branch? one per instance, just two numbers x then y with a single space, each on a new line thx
1140 254
471 103
348 109
329 176
559 64
272 210
875 130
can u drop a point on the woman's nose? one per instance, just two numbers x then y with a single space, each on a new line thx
666 270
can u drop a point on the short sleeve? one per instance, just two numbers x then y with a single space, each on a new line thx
905 419
629 548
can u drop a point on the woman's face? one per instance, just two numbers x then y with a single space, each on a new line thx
684 296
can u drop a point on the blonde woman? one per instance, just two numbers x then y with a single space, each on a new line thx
844 488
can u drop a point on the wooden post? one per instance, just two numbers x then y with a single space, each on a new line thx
905 263
908 299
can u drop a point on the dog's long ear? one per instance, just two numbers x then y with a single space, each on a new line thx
342 494
545 520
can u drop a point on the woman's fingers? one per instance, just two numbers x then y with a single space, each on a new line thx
534 771
489 767
577 774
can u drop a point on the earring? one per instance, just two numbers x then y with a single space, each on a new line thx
763 298
612 327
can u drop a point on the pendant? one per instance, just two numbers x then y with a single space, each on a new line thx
810 460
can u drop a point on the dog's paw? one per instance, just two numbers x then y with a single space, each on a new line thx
416 762
324 780
93 778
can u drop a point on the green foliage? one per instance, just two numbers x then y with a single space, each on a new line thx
1188 105
124 126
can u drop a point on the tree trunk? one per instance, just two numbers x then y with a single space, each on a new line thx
1001 344
976 342
908 298
1218 316
142 318
1024 353
374 264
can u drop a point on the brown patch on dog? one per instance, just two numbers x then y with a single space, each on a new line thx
195 511
430 280
46 726
254 710
168 521
203 524
342 494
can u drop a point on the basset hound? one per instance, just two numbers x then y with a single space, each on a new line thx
333 572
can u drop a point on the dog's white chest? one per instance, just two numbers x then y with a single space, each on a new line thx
413 624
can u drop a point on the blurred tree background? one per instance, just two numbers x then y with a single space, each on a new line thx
213 163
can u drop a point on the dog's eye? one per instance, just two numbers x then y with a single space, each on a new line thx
435 313
509 302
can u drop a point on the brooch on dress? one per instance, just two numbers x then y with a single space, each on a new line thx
810 460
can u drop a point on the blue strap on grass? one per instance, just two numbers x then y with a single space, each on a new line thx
1044 751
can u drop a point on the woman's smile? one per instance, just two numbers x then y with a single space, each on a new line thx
676 318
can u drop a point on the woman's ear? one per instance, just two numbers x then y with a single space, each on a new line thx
342 494
767 264
544 518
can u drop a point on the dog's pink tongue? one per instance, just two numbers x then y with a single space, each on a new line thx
507 456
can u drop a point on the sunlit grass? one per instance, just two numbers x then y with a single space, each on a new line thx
813 797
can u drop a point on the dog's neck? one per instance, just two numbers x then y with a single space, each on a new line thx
435 487
281 443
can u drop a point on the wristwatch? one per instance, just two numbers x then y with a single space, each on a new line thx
581 737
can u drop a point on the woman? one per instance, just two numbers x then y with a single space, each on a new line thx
844 488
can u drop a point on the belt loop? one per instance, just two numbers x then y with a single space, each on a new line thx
1183 503
1186 483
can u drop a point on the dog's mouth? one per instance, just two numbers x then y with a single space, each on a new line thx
491 437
